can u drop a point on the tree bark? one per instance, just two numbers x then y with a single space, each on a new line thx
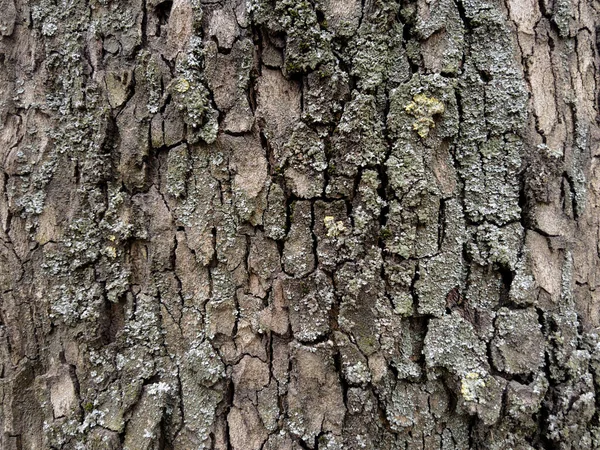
294 224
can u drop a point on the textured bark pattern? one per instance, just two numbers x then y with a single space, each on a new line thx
293 224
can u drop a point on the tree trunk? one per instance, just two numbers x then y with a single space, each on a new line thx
294 224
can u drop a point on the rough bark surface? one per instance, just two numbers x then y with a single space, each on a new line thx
294 224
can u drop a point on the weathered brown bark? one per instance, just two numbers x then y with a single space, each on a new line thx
293 224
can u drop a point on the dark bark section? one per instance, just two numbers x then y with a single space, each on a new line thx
298 225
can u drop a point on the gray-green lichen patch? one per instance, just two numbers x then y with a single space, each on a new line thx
452 344
523 401
441 35
332 229
304 162
489 161
355 367
144 426
400 277
367 208
437 277
402 408
310 301
562 15
197 211
518 345
575 405
307 44
412 226
413 222
496 245
523 287
325 90
482 298
582 136
178 168
482 395
274 217
416 409
490 170
200 370
492 49
357 141
66 261
149 81
192 97
377 57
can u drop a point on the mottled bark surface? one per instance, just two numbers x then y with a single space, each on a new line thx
293 224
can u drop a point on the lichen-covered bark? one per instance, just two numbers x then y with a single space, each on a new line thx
294 224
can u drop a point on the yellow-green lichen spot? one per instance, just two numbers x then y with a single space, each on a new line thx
110 251
423 108
470 384
334 229
182 85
